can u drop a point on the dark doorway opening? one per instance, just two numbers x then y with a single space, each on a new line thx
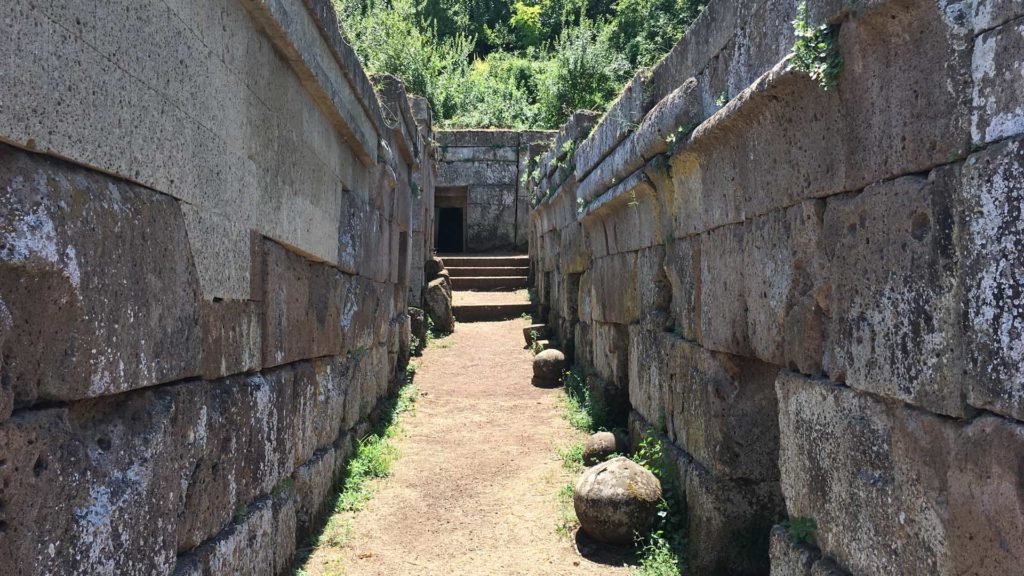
449 230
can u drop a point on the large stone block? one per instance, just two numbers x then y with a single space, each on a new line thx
682 268
596 237
100 487
723 307
584 343
352 230
261 543
304 307
647 385
478 154
232 338
839 462
896 327
729 522
992 277
476 173
610 352
905 88
573 256
998 84
986 504
786 282
615 290
490 227
314 484
894 490
98 282
654 293
481 138
720 408
249 440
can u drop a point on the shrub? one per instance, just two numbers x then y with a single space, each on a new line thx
587 73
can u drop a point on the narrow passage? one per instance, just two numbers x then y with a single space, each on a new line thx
474 488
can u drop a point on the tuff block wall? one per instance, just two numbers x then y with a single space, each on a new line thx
809 294
209 231
487 167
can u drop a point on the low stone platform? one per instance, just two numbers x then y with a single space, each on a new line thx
471 306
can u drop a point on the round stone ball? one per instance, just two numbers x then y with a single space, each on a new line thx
549 365
599 446
616 501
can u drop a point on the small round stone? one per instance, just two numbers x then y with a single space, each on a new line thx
600 446
548 366
616 501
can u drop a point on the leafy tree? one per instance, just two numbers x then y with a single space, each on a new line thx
587 73
513 63
645 30
526 23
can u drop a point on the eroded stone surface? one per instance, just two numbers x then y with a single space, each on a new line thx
616 501
895 329
97 280
992 244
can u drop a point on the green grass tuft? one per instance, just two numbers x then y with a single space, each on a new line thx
572 457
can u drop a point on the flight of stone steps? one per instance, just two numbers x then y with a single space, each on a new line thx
489 288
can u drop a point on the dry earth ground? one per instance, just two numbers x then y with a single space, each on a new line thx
474 489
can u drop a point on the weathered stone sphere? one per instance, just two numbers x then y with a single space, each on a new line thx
600 445
548 367
616 501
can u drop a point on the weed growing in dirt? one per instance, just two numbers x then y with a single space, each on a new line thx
373 458
584 411
567 521
662 552
535 346
657 558
436 339
572 457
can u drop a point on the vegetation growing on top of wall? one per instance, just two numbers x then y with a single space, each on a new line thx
816 51
514 64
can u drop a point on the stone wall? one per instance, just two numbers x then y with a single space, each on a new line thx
210 227
811 295
483 169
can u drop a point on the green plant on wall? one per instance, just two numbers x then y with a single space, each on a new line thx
816 51
802 529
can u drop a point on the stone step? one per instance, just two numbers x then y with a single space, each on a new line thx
490 312
522 261
489 283
464 272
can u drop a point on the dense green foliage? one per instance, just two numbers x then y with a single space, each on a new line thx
513 63
816 51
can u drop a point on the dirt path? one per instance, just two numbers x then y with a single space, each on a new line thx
474 489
